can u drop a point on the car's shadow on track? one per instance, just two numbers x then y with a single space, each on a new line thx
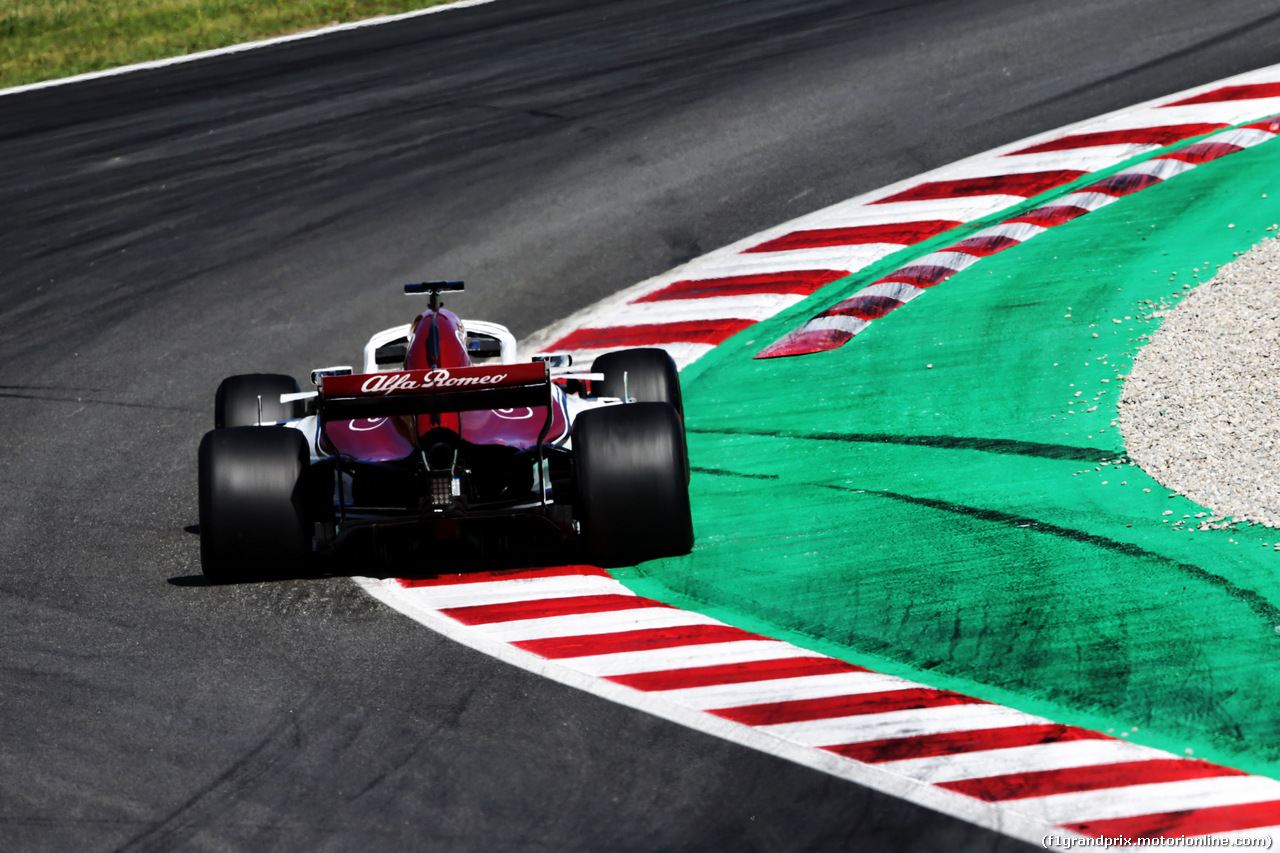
447 559
190 580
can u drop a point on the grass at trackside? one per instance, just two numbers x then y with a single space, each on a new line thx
843 503
47 39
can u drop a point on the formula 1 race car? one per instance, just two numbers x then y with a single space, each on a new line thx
445 438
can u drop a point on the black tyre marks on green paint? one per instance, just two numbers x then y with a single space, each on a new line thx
1257 603
1005 446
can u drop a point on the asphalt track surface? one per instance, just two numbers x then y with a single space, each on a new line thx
163 229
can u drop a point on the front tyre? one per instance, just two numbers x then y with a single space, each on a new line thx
633 493
237 400
253 522
646 375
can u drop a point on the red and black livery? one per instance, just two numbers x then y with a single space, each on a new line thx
444 439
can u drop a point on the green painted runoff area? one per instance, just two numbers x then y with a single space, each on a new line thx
946 497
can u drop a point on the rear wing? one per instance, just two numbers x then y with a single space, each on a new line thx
434 390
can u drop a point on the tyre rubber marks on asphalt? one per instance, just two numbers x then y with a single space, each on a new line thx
1065 777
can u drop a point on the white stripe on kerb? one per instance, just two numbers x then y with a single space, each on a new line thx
1019 231
684 310
1087 201
835 323
950 260
849 258
899 724
1135 800
958 209
505 592
1161 168
588 624
786 689
687 657
898 290
1022 759
1074 159
1245 137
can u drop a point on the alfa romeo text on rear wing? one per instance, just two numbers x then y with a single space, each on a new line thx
434 390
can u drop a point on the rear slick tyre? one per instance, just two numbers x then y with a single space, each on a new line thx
633 494
253 522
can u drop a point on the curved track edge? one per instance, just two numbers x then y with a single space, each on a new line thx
1017 774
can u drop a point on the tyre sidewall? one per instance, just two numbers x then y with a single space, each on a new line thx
253 499
633 497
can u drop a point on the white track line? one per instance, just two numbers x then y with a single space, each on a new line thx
240 48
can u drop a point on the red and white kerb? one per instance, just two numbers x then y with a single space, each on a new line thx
1020 773
695 307
838 324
